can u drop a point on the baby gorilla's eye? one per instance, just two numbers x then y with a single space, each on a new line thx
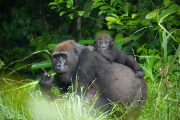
100 42
106 42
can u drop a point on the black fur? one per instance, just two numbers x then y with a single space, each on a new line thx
113 54
110 81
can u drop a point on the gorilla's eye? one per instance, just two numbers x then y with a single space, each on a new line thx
75 51
56 57
63 56
100 42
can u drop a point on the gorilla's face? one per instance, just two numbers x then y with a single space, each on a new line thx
64 59
103 44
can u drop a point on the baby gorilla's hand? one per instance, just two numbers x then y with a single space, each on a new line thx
140 73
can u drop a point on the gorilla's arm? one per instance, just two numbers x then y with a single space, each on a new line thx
132 63
46 84
129 61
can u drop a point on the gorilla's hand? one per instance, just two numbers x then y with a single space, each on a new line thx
140 73
46 80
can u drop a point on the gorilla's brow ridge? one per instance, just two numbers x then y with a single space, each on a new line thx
64 46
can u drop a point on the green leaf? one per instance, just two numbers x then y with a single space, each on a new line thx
39 47
127 8
171 9
51 46
68 5
101 12
139 49
104 7
134 15
88 7
145 22
114 15
53 7
80 13
61 13
86 42
60 8
151 15
111 19
175 67
5 26
46 56
118 36
71 16
70 2
166 2
132 22
43 64
127 39
97 4
52 3
45 34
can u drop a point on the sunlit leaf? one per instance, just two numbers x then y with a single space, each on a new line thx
111 19
151 14
97 4
80 13
114 15
52 3
71 16
61 13
43 64
68 5
134 15
166 2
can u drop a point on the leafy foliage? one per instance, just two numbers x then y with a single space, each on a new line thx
147 29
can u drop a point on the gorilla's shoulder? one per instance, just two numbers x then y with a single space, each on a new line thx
91 56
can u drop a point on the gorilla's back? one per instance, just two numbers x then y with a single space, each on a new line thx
123 84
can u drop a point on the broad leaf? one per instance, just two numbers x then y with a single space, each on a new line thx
81 13
51 46
151 15
86 42
43 64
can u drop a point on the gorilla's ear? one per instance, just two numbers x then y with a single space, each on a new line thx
112 41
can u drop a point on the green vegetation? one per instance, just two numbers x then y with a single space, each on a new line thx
29 30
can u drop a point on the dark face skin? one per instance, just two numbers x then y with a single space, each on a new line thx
64 63
60 62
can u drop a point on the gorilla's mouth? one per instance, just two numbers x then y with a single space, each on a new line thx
62 73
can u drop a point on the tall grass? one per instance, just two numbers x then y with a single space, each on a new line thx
28 103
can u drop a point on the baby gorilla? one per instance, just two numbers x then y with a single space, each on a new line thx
104 44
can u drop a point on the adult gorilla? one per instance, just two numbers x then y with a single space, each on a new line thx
113 82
